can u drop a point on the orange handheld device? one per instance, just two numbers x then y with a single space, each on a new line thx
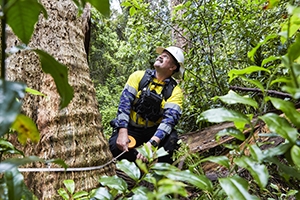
132 142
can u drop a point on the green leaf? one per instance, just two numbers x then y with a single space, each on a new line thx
288 108
26 128
236 188
280 126
160 153
102 6
233 73
218 115
114 182
12 163
294 92
103 194
6 148
168 186
164 167
129 168
142 166
200 181
70 185
35 92
271 58
230 131
294 49
80 194
284 168
9 107
145 151
259 172
281 80
222 160
254 82
233 98
252 52
141 193
132 11
295 154
58 162
256 153
63 193
278 150
59 73
23 16
16 185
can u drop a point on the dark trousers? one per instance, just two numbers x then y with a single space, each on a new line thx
143 135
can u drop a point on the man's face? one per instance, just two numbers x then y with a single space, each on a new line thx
165 61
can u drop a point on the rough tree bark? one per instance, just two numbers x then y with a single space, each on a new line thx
73 134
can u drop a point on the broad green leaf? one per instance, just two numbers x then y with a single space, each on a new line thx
236 188
278 150
253 51
256 153
271 58
132 11
35 92
59 72
141 193
281 80
58 162
142 166
70 185
145 151
11 163
113 182
280 126
63 193
294 49
16 185
6 148
233 98
102 6
286 169
259 172
295 154
23 16
9 107
222 160
102 194
288 108
294 92
232 74
129 168
254 82
232 132
218 115
164 167
160 153
80 194
200 181
168 186
26 128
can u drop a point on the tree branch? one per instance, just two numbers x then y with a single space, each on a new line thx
281 94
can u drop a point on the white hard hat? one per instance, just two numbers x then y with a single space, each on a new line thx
178 55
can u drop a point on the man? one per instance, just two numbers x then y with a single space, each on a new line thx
146 113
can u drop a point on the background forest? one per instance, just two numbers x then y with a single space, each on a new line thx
241 58
215 35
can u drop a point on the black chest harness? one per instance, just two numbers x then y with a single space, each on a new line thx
148 104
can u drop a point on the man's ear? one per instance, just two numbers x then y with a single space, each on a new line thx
173 67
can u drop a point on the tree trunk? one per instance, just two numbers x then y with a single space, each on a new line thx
73 134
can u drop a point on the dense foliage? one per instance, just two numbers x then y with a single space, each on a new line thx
256 44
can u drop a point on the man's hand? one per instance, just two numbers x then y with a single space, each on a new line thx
123 140
141 157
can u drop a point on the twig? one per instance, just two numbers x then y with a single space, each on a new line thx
281 94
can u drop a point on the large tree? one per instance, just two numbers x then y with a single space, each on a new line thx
74 133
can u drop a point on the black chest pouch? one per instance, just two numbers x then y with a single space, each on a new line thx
148 105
